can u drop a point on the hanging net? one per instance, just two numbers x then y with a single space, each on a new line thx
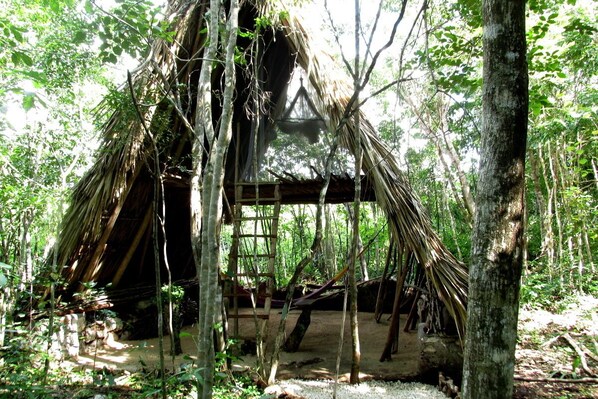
302 118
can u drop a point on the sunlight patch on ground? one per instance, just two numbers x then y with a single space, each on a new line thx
580 314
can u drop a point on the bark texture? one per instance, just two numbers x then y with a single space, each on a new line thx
497 253
208 217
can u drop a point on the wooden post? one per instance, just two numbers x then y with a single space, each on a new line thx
294 340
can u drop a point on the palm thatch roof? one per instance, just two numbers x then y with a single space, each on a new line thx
106 231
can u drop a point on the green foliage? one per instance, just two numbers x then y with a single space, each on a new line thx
21 363
22 375
454 49
174 293
128 28
579 42
539 290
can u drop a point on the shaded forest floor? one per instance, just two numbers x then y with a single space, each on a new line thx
545 353
315 359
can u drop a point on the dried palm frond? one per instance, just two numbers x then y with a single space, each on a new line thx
100 195
410 224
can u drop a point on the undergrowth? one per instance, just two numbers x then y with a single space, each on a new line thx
23 375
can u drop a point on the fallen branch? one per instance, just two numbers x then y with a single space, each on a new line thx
588 352
586 380
551 341
582 357
580 349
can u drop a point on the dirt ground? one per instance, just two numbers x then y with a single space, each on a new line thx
315 359
540 356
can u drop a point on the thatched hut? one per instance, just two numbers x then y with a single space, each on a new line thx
106 234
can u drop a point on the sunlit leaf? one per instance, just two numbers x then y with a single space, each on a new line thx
28 102
80 37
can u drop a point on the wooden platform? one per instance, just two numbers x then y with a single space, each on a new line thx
305 191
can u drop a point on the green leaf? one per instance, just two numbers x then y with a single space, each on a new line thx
55 6
88 7
28 102
16 32
111 58
576 363
19 58
26 59
79 37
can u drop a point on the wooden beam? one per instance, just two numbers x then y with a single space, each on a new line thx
94 263
340 190
133 247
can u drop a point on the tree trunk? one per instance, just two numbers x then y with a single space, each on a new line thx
304 262
207 214
294 339
446 154
465 190
392 338
356 352
363 266
557 202
328 244
548 244
497 243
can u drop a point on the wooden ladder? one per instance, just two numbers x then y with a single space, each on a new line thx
253 255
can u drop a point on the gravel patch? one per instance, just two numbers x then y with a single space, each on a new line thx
321 389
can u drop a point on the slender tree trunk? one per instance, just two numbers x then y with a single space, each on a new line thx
557 203
212 203
315 247
548 243
392 338
497 243
157 195
453 224
447 154
363 267
328 244
356 352
595 170
204 131
449 149
539 196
